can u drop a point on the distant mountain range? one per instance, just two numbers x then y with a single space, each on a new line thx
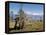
34 17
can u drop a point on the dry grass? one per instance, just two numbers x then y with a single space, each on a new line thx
35 26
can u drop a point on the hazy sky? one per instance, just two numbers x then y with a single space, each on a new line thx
30 9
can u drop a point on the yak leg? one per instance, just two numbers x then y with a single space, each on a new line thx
15 27
22 25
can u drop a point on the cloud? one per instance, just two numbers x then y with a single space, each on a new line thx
37 13
28 12
34 13
15 12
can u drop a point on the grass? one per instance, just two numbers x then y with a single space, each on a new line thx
33 26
